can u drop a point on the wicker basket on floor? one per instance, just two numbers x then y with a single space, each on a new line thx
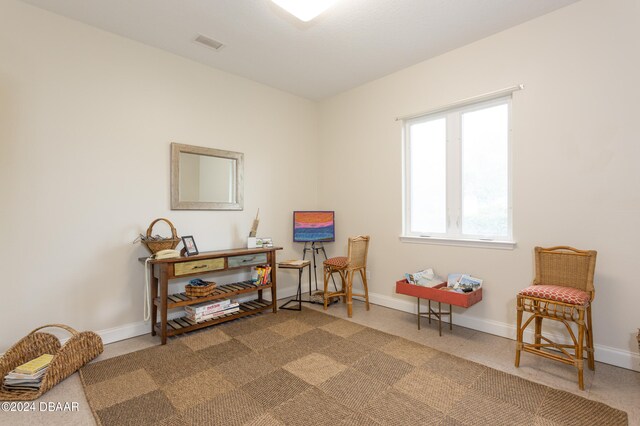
67 359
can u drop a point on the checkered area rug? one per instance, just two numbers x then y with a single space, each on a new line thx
308 368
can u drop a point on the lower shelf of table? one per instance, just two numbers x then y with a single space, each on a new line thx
183 325
224 291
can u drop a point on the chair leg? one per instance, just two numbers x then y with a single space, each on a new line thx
349 291
343 280
519 332
326 275
579 360
538 329
363 274
590 348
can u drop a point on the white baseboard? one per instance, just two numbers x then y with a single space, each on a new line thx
124 332
605 354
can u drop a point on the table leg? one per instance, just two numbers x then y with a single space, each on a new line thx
299 292
313 255
154 294
440 318
164 289
274 297
429 311
450 317
418 312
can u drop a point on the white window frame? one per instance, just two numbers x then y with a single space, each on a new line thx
453 235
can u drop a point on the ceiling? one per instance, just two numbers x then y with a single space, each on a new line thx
353 42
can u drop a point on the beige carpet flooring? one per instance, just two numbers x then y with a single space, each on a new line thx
314 369
617 387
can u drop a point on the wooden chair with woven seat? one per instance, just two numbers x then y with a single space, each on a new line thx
356 261
562 291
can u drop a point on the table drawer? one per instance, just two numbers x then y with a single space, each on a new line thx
247 260
185 268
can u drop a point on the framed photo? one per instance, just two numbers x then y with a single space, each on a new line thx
190 245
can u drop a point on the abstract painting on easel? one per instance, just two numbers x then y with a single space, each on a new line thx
314 226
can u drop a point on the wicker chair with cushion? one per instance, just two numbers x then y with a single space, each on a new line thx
562 291
356 261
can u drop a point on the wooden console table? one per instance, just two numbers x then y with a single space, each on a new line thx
164 270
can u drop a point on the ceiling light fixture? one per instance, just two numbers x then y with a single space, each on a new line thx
305 10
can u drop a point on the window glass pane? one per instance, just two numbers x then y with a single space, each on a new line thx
428 148
485 171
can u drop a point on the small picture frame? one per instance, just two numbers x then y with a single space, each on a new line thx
190 247
267 242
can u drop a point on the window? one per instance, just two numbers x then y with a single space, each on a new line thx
457 175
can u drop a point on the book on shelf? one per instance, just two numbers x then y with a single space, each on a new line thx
232 304
262 275
205 317
196 316
213 316
209 307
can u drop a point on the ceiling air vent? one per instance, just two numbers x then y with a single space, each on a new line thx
209 42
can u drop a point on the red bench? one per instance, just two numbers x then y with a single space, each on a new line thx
438 294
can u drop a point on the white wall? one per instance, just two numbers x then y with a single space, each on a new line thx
575 163
86 119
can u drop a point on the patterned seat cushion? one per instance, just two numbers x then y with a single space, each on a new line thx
558 293
336 262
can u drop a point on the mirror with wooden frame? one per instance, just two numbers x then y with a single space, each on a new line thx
206 178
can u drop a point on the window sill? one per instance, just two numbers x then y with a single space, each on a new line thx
493 244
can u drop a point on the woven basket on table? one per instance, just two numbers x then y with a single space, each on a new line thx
155 246
67 359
